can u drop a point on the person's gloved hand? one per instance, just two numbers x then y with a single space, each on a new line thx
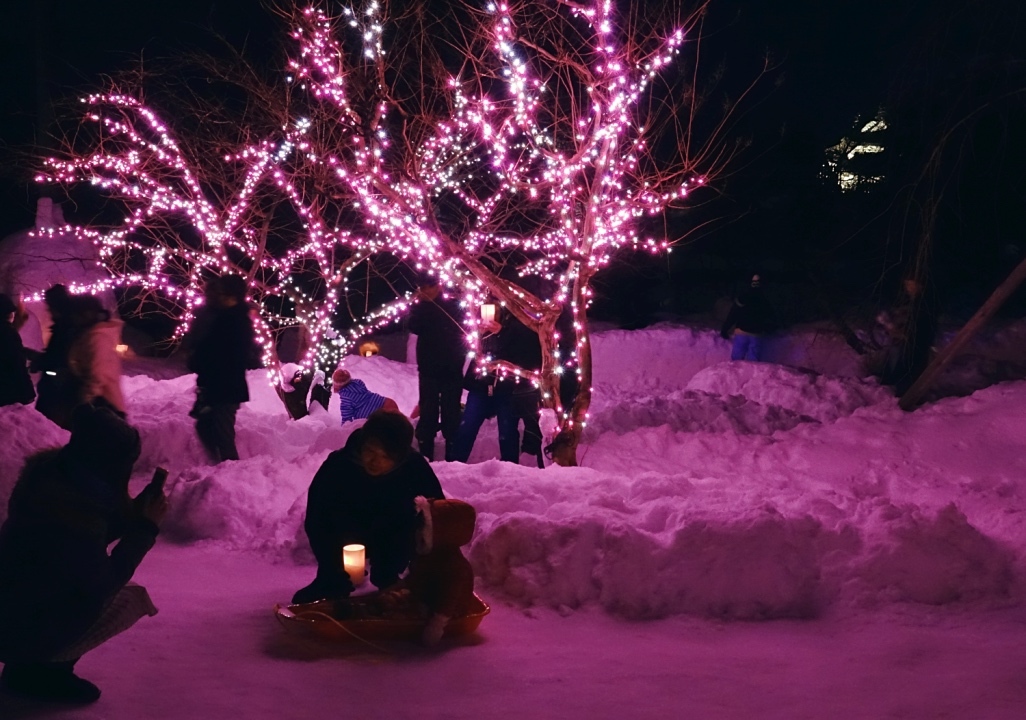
434 629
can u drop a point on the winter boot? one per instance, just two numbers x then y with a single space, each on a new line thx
323 587
56 682
450 451
427 449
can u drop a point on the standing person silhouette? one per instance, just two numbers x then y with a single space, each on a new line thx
57 388
221 347
15 382
747 322
441 352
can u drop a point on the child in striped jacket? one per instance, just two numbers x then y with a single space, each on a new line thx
357 401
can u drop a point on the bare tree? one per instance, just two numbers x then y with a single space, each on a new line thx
514 151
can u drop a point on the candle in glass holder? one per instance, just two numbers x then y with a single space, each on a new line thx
353 562
488 312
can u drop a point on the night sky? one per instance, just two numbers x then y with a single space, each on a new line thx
831 58
831 62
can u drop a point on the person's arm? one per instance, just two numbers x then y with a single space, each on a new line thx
142 523
418 317
318 517
327 509
139 536
425 481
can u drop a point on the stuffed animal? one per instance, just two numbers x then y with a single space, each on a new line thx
440 578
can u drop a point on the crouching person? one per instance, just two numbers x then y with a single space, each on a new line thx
62 594
364 493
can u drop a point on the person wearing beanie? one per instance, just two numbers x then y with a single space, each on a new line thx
15 382
364 493
357 402
63 593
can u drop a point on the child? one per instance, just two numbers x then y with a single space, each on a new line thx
357 401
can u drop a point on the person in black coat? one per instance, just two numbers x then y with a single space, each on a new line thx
749 319
441 352
15 382
221 347
364 493
62 593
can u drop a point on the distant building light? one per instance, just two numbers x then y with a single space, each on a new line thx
860 149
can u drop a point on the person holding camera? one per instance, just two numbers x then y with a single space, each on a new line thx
63 593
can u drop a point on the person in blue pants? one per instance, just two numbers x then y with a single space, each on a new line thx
508 400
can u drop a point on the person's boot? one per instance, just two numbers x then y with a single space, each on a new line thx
56 682
323 588
450 451
427 449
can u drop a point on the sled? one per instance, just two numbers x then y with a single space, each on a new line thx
362 617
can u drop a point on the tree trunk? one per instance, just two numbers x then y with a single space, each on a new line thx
914 395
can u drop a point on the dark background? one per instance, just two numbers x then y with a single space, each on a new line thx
935 67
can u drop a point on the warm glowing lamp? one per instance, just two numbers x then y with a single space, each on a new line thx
369 348
488 312
353 562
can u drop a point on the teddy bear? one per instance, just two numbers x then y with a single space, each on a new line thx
440 577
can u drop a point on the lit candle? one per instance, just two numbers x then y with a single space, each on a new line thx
488 312
353 562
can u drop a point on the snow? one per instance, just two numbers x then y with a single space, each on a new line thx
742 540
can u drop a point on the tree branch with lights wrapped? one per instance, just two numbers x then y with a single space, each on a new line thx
511 150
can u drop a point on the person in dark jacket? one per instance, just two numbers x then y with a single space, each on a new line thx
441 352
62 593
58 388
364 493
508 399
221 347
15 382
749 319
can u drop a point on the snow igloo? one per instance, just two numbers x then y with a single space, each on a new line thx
48 254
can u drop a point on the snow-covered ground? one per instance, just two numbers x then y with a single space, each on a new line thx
882 552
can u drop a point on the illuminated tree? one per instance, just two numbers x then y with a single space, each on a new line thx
512 150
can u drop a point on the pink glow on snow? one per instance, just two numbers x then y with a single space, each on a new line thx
887 546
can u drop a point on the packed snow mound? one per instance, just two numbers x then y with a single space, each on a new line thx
802 392
670 354
757 566
741 397
691 411
936 559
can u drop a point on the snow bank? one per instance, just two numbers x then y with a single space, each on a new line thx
711 488
936 559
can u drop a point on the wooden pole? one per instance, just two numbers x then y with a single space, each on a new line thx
914 395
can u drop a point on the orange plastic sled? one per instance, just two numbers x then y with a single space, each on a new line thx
367 623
